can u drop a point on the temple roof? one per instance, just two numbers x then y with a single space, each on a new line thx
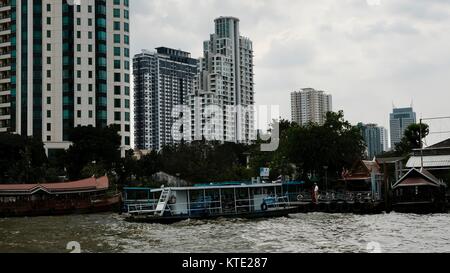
416 177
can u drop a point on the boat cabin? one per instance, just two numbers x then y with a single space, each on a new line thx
204 201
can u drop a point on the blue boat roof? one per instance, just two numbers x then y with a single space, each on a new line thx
294 183
136 189
231 183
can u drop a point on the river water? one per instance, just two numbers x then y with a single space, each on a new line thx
298 233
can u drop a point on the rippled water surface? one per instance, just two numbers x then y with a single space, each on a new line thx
298 233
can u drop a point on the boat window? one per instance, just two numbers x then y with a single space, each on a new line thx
228 201
197 202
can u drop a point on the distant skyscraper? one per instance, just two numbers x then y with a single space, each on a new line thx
310 105
64 65
400 119
372 135
225 81
385 139
162 80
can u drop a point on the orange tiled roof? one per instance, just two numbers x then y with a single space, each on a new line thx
89 184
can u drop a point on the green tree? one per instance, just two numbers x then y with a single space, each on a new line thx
412 139
92 146
336 144
22 159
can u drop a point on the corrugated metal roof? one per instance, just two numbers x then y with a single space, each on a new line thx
429 161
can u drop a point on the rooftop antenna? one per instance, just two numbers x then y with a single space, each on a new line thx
412 103
393 105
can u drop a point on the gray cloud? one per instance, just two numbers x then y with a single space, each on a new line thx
366 56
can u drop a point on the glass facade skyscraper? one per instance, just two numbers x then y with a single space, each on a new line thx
400 119
64 64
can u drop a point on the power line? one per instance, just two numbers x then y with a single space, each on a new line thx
435 118
442 132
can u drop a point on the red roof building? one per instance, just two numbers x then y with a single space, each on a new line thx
81 186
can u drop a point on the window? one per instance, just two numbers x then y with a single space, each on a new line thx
116 25
116 13
117 103
117 116
116 51
116 64
117 38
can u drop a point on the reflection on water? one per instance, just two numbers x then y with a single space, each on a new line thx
315 232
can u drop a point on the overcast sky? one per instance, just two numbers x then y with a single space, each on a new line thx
369 54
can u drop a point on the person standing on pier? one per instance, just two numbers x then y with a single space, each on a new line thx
316 193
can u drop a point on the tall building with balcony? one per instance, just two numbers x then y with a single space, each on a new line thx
223 100
400 119
64 64
162 81
310 106
5 65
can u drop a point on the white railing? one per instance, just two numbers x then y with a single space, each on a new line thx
209 207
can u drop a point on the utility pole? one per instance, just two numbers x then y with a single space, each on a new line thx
421 145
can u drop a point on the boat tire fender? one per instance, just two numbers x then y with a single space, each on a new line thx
264 207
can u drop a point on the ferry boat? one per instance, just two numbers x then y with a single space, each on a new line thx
77 197
232 200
